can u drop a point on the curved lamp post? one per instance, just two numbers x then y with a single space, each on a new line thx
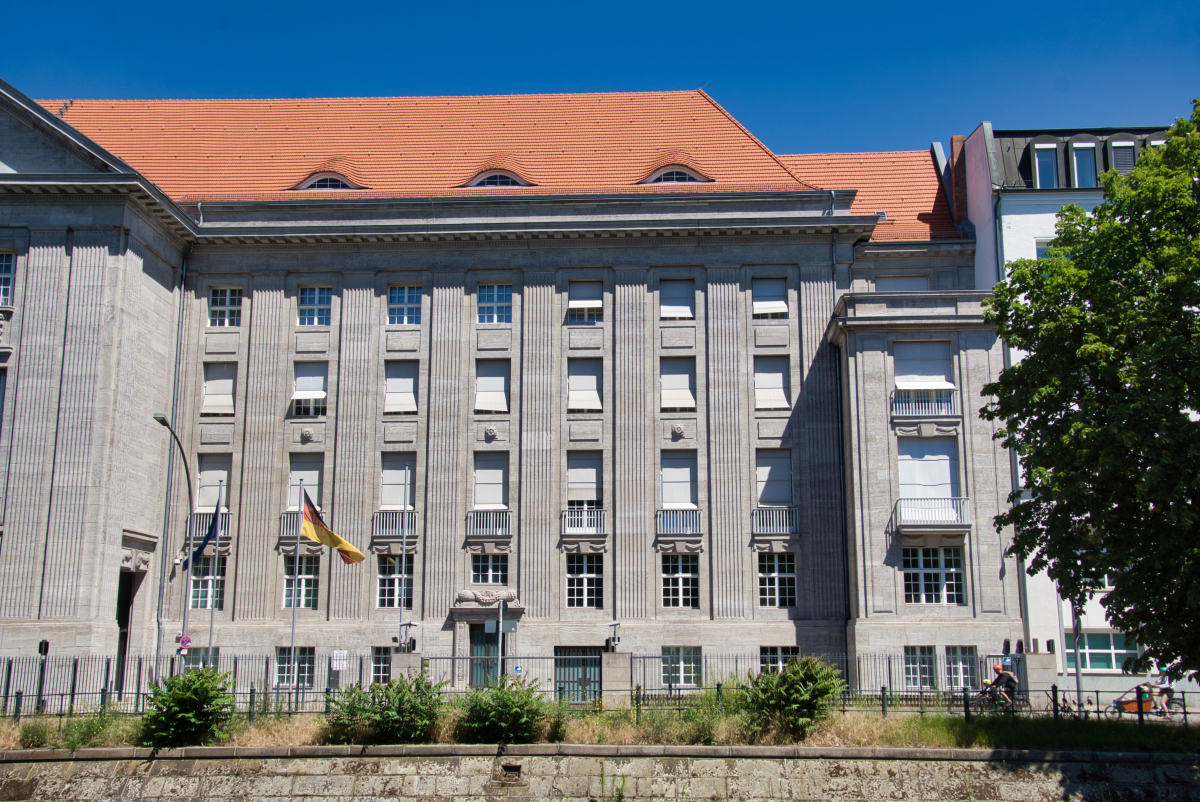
162 419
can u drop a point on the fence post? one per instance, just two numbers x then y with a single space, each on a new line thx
967 704
74 677
7 683
40 704
1054 700
103 699
1183 701
251 701
327 691
718 696
921 702
883 699
1141 717
638 706
17 708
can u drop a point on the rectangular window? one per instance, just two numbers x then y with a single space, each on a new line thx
200 658
774 658
585 580
584 472
776 580
677 379
681 580
308 398
679 490
220 379
1100 651
933 576
489 569
1043 248
495 303
301 669
400 388
585 302
404 306
772 382
381 664
315 303
213 476
902 284
682 666
773 469
769 298
961 667
1045 159
309 468
397 471
6 278
928 467
677 299
491 480
300 581
395 580
919 664
1124 155
1085 164
491 385
224 307
923 366
584 378
208 583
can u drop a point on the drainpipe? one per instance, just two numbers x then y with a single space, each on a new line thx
999 249
166 535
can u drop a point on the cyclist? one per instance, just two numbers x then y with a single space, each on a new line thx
1162 692
1005 683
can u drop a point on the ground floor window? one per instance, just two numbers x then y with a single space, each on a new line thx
774 658
585 580
302 671
933 576
682 666
962 666
1100 651
201 658
208 583
919 665
381 664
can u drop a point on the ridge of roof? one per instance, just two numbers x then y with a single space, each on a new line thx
756 140
45 101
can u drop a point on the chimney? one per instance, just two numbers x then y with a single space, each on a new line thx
958 173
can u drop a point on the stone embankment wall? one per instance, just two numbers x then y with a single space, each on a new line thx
591 774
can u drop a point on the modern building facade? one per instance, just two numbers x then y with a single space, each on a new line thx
605 358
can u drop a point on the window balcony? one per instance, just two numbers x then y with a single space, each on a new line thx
489 523
394 524
932 514
198 523
584 522
925 404
288 522
677 522
777 521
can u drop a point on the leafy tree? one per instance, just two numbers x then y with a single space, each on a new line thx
187 710
1101 411
793 699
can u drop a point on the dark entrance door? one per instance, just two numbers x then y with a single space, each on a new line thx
486 662
126 591
577 673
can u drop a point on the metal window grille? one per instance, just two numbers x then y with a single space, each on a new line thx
585 580
489 569
315 303
774 658
302 675
396 580
208 583
681 580
777 580
682 665
495 303
404 306
381 664
933 576
961 667
300 587
919 663
224 307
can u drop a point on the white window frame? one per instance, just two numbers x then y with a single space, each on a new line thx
311 383
401 380
481 179
934 575
224 307
381 665
309 182
774 658
582 307
8 263
314 306
395 581
682 666
1123 145
494 303
489 569
208 583
307 583
776 579
1037 169
585 581
962 667
674 305
681 581
1114 655
920 668
404 305
1090 148
657 176
766 304
305 664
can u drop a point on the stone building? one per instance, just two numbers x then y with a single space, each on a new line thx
604 356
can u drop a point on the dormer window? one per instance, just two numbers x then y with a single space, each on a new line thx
674 174
327 181
497 178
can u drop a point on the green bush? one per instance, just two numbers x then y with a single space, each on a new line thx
511 711
794 699
85 731
35 734
405 710
187 710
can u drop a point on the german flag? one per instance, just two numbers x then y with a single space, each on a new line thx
314 529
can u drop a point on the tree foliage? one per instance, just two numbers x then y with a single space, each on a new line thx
1101 410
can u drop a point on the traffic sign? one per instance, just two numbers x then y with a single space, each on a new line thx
518 669
185 642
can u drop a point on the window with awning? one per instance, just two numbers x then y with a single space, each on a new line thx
310 381
585 301
584 378
219 381
677 299
398 490
584 471
928 467
213 478
677 379
491 385
400 391
678 470
769 297
923 366
309 468
772 382
491 480
773 470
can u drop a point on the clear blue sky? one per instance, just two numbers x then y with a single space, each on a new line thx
804 77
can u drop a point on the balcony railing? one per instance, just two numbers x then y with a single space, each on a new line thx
943 513
583 522
198 523
677 522
288 522
925 403
489 523
777 521
394 524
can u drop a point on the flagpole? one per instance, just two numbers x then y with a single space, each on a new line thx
295 589
404 580
187 593
212 577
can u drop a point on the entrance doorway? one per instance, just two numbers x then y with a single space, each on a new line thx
486 661
577 673
127 586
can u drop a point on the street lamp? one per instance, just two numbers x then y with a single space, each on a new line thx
162 419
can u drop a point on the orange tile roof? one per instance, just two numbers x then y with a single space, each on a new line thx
401 147
904 184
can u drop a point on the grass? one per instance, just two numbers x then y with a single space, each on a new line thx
704 726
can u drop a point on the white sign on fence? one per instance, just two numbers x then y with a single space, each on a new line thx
339 661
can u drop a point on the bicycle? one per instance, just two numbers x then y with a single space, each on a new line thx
989 702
